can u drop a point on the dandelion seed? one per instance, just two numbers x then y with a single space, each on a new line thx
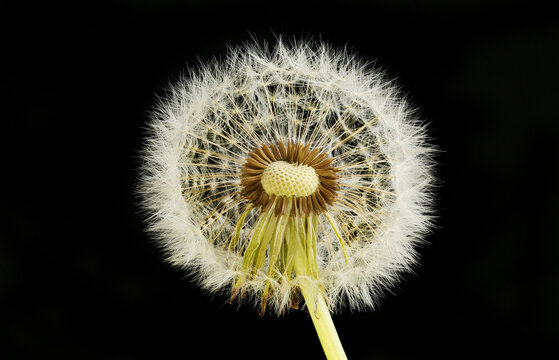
289 171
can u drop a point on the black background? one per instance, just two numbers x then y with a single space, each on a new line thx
79 278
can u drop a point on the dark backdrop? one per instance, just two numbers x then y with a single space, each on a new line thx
79 278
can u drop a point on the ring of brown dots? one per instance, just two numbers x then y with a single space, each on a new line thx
259 159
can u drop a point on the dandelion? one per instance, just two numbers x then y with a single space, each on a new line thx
296 170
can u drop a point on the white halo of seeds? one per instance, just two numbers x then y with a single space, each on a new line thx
310 94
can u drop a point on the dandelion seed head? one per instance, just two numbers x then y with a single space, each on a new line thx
274 141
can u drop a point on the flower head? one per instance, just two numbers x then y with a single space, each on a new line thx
288 166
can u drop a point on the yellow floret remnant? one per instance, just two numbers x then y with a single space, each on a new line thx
281 178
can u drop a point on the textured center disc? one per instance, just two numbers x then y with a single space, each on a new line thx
284 179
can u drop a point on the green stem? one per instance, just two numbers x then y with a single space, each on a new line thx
318 310
323 323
